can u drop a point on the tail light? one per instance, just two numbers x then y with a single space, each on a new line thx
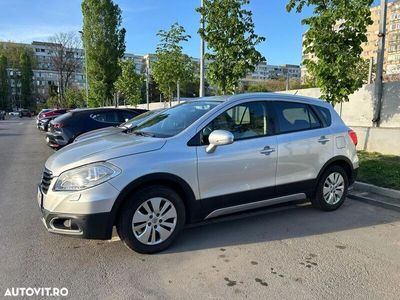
58 125
353 136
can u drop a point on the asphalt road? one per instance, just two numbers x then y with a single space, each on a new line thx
287 253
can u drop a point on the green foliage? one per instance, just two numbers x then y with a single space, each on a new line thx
129 83
230 35
336 31
273 86
104 42
13 53
172 66
26 80
379 169
4 84
75 98
53 102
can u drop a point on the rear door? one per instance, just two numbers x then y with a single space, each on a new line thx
304 146
244 171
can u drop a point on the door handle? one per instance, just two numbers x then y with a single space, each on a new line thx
323 140
267 150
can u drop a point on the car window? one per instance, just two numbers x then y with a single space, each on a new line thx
105 117
175 119
293 116
124 116
247 120
325 114
138 119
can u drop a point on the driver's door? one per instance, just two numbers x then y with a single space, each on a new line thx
244 171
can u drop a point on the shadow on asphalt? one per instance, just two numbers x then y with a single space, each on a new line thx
280 224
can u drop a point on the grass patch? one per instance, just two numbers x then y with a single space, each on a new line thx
378 169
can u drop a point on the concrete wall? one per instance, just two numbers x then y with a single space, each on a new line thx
383 140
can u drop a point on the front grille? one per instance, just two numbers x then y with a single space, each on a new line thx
46 180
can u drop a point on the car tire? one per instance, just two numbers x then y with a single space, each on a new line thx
331 190
141 226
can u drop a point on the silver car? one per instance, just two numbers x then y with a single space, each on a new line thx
195 161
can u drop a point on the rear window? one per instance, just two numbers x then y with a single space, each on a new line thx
293 116
105 116
325 114
63 118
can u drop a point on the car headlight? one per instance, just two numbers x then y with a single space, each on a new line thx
86 176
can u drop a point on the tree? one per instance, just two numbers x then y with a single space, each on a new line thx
172 67
229 33
129 83
13 53
26 79
75 97
104 42
66 59
336 32
4 83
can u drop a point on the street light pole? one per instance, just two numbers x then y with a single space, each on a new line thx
147 84
86 71
379 63
201 92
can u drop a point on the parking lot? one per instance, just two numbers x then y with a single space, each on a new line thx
287 252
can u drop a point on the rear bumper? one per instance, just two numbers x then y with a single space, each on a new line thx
56 140
92 226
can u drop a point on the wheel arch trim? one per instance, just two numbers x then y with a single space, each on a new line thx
168 179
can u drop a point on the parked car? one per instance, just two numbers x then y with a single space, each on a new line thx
196 161
45 117
40 114
129 125
2 115
25 113
14 113
43 123
64 129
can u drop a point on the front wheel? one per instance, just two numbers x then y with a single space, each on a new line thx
152 219
332 189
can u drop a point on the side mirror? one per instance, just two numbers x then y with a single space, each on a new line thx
219 138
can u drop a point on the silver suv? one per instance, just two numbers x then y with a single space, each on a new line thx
195 161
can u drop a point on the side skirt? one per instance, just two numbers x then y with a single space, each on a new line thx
254 205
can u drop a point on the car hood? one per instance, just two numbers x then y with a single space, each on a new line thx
98 133
101 149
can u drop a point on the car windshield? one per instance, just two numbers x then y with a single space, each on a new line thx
174 120
136 120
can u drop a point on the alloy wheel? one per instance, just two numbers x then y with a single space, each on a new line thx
333 188
154 221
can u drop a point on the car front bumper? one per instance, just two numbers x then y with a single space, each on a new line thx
84 214
92 226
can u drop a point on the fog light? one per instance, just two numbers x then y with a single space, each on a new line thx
67 223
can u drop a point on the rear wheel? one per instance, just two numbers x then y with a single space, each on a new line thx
152 219
332 189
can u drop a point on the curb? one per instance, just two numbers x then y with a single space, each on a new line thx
361 191
366 187
375 202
